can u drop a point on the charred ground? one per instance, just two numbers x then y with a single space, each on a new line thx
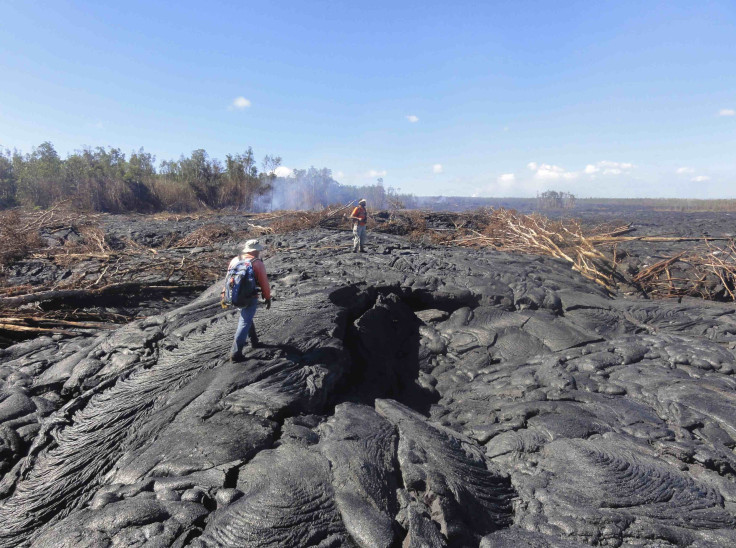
423 394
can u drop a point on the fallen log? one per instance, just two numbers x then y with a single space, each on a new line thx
338 210
32 321
63 254
259 229
618 239
33 330
111 289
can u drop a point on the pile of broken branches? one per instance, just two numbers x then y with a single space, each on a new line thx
206 235
282 222
75 245
91 267
20 229
707 271
507 230
16 241
590 250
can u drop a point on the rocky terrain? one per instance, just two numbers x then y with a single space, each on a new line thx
413 396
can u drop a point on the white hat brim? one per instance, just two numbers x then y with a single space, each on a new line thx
249 248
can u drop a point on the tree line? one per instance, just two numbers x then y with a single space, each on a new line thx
105 179
551 199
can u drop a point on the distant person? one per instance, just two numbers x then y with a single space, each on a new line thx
247 268
360 218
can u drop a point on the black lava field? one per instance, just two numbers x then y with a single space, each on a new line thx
413 396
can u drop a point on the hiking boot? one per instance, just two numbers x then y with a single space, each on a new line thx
256 344
363 251
237 358
355 250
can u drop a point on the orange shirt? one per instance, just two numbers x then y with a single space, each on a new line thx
361 214
259 270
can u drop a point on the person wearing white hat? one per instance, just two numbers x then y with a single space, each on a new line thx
360 218
250 254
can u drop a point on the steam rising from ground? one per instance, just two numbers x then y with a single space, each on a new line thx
314 188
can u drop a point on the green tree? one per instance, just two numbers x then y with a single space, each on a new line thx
8 185
139 176
202 175
243 181
39 176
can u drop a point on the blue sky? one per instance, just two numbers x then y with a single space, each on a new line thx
620 99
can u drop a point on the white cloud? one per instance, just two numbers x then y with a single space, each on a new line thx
377 173
614 168
606 167
437 168
700 179
339 175
615 165
684 170
240 103
511 184
549 172
283 171
539 176
727 112
413 119
506 179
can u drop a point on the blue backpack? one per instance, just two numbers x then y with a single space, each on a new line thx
240 284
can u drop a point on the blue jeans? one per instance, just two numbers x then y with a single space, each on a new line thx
244 326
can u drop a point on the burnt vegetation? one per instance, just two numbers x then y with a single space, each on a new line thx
106 180
62 270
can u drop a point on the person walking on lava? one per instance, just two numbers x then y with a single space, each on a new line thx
360 218
245 276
